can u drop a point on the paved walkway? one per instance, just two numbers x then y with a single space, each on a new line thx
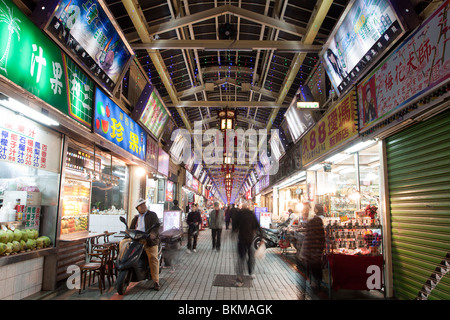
193 277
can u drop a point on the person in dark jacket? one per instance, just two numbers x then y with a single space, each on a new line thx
227 217
234 213
246 225
314 244
193 220
143 222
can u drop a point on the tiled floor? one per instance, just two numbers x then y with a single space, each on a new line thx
193 277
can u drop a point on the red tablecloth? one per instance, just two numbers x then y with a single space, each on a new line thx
350 272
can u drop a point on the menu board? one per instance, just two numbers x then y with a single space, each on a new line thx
25 142
84 28
366 32
163 162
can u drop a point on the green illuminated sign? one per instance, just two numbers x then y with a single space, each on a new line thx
308 105
31 60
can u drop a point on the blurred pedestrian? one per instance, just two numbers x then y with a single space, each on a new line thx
234 213
246 226
193 220
314 245
216 220
227 217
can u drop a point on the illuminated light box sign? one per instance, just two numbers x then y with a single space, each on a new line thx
150 112
25 142
32 61
421 63
84 29
367 31
338 125
112 123
308 105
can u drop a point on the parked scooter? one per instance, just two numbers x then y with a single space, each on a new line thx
272 237
132 262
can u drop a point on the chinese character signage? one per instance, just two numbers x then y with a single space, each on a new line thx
419 64
84 28
367 31
335 127
151 113
112 123
31 60
25 142
264 217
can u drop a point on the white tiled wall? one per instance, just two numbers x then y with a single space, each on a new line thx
99 223
22 279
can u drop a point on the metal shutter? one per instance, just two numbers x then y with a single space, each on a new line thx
418 161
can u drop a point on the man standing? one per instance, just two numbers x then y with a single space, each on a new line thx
143 222
216 220
193 220
246 225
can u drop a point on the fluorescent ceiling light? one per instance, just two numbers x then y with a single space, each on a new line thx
360 146
337 157
28 112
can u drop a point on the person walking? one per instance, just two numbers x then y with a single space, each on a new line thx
246 225
234 213
227 217
193 220
314 245
216 220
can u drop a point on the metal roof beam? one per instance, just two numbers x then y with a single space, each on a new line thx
319 13
226 104
134 11
240 45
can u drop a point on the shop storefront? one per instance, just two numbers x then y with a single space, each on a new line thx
412 123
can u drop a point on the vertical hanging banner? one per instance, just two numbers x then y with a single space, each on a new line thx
84 29
112 123
336 126
418 65
32 61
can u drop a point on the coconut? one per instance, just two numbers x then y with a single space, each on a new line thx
3 237
39 243
16 246
35 234
30 234
10 235
24 235
31 244
2 248
23 245
9 247
17 235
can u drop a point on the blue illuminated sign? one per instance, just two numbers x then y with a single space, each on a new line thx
112 123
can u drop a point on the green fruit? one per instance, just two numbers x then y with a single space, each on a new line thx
30 234
31 244
17 235
35 234
23 245
10 235
39 243
16 246
2 248
24 235
3 237
9 247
